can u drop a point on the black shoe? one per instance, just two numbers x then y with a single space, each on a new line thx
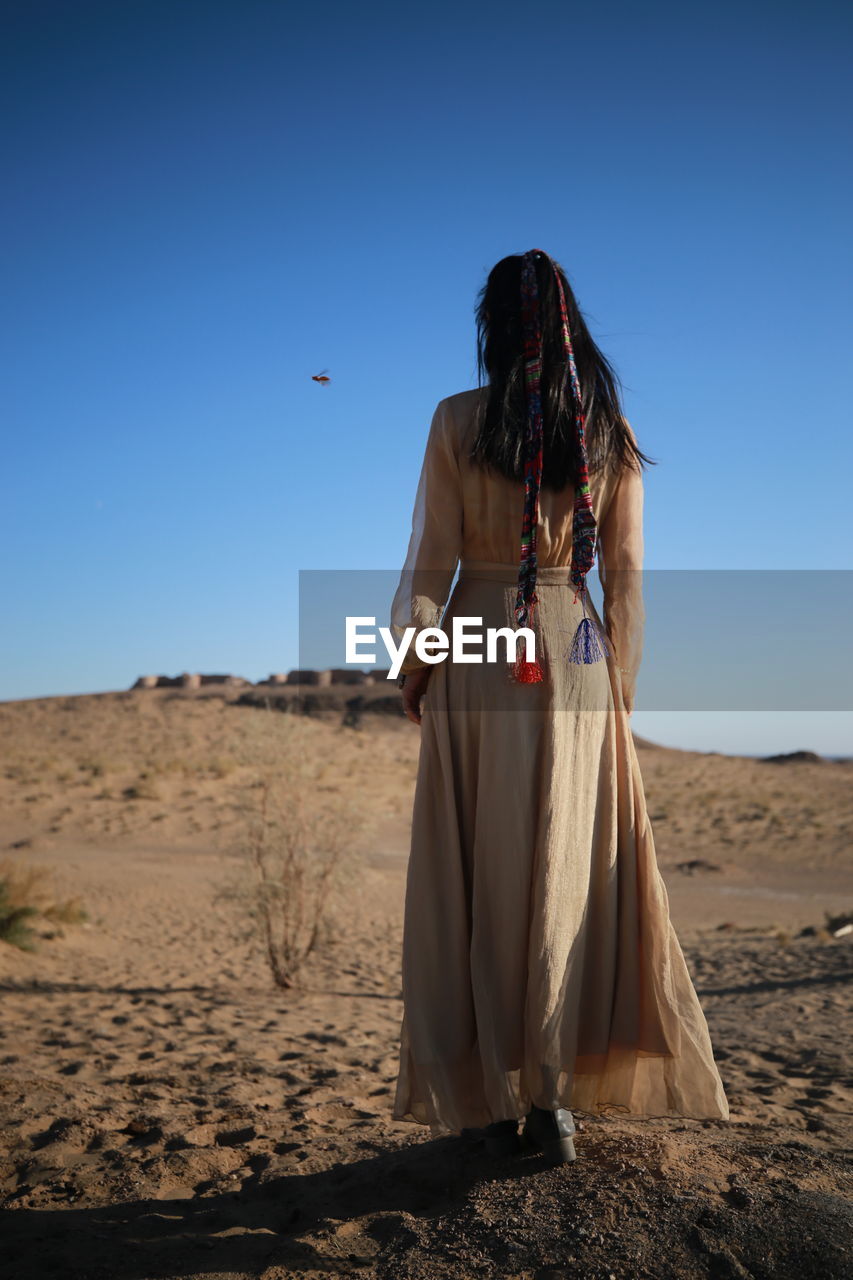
552 1133
500 1138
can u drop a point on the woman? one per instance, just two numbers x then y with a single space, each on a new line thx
541 971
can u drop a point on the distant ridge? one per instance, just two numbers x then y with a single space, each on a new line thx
794 757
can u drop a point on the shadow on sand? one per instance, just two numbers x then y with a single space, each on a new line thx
262 1225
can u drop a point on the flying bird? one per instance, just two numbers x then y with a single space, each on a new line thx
321 377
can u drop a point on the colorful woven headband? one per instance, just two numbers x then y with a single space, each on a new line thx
588 644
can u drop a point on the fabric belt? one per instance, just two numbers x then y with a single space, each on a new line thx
552 575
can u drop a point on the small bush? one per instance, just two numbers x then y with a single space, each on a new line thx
96 768
13 928
219 766
142 789
295 850
25 893
293 847
71 911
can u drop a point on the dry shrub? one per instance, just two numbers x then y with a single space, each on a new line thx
13 926
220 766
25 893
96 767
143 789
295 849
296 840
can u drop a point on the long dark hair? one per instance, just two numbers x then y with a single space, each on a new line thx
502 421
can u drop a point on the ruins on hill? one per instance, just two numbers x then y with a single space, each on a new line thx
297 678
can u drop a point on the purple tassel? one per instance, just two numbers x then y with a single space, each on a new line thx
588 645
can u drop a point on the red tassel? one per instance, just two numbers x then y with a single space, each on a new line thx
527 672
523 671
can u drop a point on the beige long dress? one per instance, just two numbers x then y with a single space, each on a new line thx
540 964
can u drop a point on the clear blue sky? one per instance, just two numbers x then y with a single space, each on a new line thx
208 202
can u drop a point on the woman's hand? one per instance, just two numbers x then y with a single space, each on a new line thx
413 690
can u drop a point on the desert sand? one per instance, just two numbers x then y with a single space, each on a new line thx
166 1110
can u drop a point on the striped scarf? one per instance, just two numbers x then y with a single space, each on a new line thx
588 645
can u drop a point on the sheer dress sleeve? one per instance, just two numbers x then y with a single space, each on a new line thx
436 541
620 569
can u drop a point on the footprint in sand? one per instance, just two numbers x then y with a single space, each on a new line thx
335 1114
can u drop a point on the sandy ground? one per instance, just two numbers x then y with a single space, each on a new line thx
167 1111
